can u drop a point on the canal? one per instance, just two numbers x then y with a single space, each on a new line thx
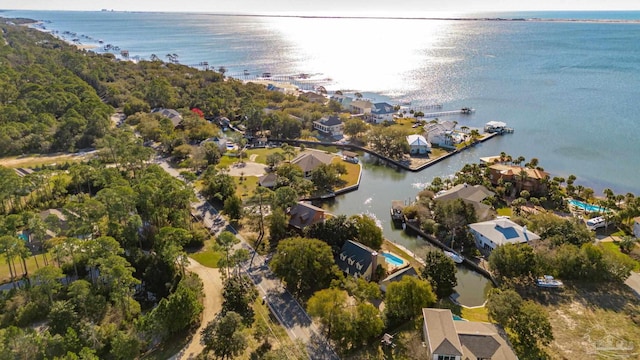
380 185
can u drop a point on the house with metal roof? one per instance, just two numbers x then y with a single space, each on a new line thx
418 145
493 233
358 260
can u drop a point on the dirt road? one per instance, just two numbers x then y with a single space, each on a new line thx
212 304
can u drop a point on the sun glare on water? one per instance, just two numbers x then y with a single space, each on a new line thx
380 55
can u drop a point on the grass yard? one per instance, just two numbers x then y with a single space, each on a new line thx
585 315
31 266
261 154
353 171
226 161
505 211
208 258
247 187
613 246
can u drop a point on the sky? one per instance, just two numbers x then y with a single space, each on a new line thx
324 7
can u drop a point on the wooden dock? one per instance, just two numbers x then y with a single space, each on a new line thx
463 111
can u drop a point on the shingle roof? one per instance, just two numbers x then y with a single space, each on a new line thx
355 258
382 108
441 332
503 231
268 180
515 170
330 121
172 114
310 160
397 276
304 214
483 340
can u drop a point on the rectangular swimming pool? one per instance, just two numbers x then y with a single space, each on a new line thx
392 259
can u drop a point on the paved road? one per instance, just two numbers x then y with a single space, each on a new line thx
283 305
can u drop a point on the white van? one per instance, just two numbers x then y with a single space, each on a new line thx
596 223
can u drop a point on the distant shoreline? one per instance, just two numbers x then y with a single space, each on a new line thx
355 17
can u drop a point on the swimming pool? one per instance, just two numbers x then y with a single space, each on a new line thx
587 207
392 259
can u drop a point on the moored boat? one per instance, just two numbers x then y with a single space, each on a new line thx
457 258
547 281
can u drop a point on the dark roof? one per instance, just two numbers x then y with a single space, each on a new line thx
355 258
382 108
172 114
481 345
397 276
304 214
330 121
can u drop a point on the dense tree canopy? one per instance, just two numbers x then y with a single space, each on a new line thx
305 265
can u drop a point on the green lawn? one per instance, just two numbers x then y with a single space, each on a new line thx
353 171
208 258
31 266
505 211
247 187
226 161
612 246
263 153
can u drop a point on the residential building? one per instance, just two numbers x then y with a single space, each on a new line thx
418 145
343 100
304 214
360 107
470 194
221 142
397 276
524 178
311 160
330 126
442 134
493 233
314 97
268 180
357 260
449 339
636 227
381 112
172 114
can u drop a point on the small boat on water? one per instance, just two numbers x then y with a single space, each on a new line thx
457 258
548 281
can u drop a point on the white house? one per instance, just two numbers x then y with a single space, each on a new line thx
382 112
636 227
329 126
491 234
441 134
343 100
418 145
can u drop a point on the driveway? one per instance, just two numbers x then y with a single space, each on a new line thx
634 283
248 168
212 303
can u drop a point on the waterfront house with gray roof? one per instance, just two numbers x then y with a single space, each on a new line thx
457 340
330 126
361 107
470 194
381 112
311 160
441 134
491 234
357 260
